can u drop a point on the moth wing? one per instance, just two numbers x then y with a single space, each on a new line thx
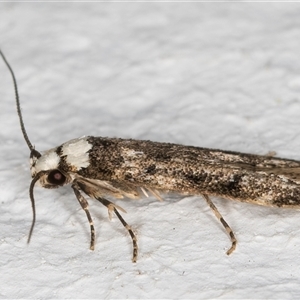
290 173
283 168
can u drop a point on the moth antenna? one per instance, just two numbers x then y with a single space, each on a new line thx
32 184
18 104
33 152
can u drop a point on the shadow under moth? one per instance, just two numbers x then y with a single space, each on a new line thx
100 166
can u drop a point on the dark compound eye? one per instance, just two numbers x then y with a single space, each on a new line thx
56 177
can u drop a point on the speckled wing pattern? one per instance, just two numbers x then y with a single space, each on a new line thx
120 167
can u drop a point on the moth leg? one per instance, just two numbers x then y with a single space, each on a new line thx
224 223
113 208
84 204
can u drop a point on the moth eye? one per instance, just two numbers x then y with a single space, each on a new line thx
56 177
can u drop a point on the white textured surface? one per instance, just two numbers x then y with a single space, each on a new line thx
222 75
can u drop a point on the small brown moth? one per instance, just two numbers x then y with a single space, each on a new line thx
100 166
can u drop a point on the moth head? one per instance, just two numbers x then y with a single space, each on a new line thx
45 169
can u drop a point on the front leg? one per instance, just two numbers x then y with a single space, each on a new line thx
84 204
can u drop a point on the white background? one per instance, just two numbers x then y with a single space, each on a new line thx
223 75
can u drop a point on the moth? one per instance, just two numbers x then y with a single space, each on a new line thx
125 168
